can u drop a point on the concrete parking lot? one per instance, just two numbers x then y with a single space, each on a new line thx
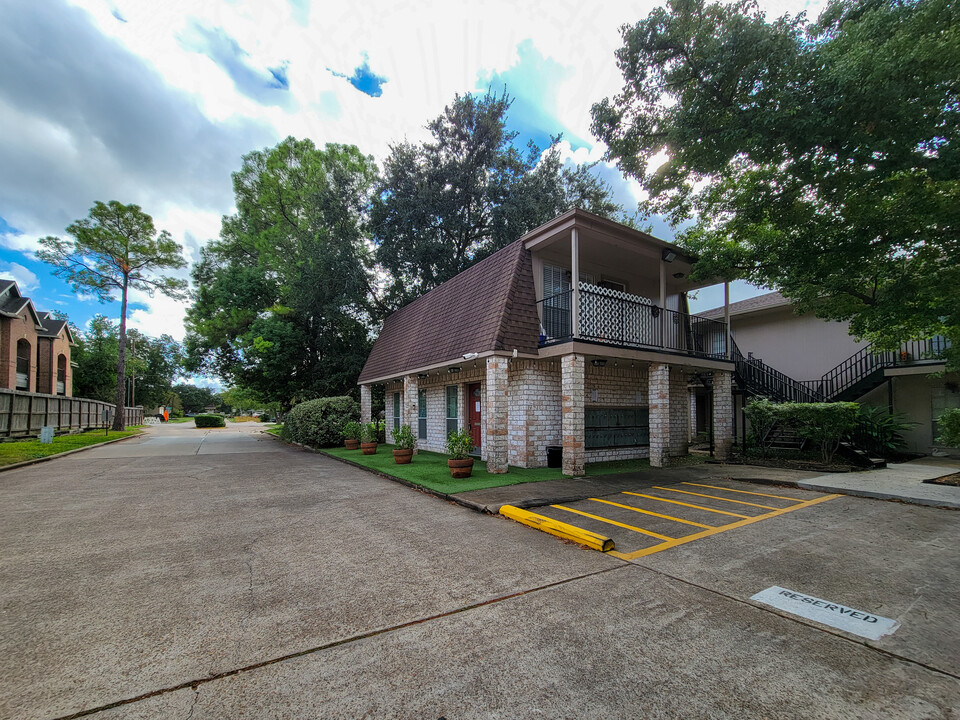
221 574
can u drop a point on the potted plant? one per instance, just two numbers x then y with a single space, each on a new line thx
404 443
368 437
351 435
459 447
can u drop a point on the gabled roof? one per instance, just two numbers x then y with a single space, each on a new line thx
52 328
750 305
12 304
7 284
489 306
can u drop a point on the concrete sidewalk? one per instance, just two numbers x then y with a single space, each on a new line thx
567 490
898 481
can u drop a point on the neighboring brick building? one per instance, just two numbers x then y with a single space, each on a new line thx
525 358
34 347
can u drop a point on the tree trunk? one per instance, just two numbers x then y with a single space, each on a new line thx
118 413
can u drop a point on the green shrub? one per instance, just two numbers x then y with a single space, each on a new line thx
824 424
459 444
318 423
352 430
763 415
404 439
209 421
948 425
883 428
370 432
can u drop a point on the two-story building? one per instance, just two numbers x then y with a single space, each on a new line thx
34 347
576 336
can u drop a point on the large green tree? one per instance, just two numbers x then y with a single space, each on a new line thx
281 302
195 399
116 249
446 203
822 159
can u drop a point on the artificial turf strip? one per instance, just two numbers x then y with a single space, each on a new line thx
21 450
430 470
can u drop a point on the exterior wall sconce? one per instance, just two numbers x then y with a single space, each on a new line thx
668 255
423 375
678 275
598 362
453 370
594 395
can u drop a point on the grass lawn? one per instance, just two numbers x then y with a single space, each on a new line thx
179 420
430 470
20 450
274 429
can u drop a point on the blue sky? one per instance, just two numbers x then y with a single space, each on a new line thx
110 99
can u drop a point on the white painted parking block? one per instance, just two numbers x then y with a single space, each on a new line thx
829 613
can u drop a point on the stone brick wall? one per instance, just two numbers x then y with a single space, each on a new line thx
679 413
435 386
391 388
617 386
572 375
722 414
495 422
659 414
533 411
366 403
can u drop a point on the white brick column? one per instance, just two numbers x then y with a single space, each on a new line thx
409 409
572 414
366 403
496 415
722 414
659 414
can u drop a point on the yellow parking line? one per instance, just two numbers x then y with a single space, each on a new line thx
614 522
677 502
650 512
745 492
714 497
723 528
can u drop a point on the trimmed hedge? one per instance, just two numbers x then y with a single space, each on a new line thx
948 425
319 423
209 421
824 424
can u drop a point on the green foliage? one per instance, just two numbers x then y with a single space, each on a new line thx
824 424
352 430
172 400
459 444
195 399
763 415
404 439
116 249
281 304
949 427
371 431
209 421
319 423
885 429
822 160
465 193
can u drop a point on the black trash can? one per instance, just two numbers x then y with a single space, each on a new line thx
554 456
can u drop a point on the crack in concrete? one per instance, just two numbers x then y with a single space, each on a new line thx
193 705
195 684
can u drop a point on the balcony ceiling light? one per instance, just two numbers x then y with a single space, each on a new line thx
668 255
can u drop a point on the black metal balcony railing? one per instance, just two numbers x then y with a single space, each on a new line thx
868 360
617 318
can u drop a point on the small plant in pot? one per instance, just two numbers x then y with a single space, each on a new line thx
404 443
351 435
459 447
369 435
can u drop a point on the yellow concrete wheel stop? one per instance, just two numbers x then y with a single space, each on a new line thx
560 529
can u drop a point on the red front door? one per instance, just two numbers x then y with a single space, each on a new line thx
473 416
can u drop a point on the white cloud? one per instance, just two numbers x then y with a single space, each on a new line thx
26 280
162 316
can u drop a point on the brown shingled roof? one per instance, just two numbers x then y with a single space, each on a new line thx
489 306
754 304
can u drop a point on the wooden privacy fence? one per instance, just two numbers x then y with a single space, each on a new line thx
24 413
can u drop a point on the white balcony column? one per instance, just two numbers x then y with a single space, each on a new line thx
659 398
726 317
572 417
575 280
366 403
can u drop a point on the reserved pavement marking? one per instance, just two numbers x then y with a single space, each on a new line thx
677 502
857 622
723 528
658 536
650 512
714 497
745 492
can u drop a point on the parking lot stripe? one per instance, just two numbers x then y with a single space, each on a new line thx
714 497
745 492
723 528
650 512
614 522
677 502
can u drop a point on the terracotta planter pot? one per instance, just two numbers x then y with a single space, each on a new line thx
460 468
402 457
352 444
369 448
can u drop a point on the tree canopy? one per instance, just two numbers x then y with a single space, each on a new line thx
116 249
446 203
281 302
820 159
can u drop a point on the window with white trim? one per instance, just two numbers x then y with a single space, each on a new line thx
422 414
453 421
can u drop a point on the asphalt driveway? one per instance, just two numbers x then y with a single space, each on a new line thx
220 574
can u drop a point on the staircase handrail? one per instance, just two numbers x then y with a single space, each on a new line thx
868 360
765 380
